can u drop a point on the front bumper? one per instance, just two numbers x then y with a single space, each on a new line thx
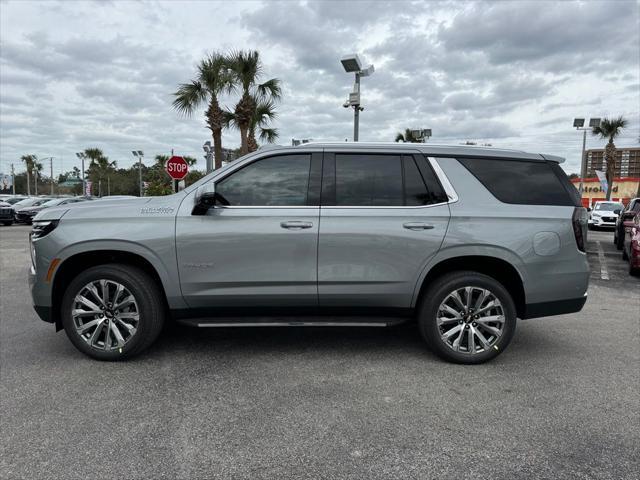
25 217
603 222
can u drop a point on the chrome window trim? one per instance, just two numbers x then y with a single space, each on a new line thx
444 180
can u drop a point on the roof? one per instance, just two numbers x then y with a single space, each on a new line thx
435 150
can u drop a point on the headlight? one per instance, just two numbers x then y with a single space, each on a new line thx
595 215
42 228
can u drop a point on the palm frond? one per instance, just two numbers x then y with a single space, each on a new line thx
269 135
188 97
270 89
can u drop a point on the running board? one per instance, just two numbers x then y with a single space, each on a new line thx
259 322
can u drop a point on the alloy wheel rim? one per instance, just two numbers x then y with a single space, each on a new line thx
470 320
105 314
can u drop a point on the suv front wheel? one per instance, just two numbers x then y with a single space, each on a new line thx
112 312
467 317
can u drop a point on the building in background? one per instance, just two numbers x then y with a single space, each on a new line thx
627 162
624 189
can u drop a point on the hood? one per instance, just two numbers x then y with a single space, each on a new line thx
5 205
117 207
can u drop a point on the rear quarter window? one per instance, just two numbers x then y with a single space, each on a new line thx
523 182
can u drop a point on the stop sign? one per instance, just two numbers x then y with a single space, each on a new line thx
177 168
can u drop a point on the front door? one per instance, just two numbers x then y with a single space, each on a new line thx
259 247
383 217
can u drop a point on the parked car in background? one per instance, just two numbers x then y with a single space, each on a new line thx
625 221
25 215
25 204
14 200
604 214
631 245
6 213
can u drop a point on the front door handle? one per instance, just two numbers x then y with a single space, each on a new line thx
296 225
417 226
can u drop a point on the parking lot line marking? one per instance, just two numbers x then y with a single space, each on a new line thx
604 273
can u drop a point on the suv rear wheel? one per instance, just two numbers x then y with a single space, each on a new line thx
112 312
467 317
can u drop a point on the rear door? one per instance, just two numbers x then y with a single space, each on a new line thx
383 217
260 249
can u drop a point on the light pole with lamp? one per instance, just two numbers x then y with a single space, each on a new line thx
422 134
51 167
208 155
578 123
82 156
139 154
351 63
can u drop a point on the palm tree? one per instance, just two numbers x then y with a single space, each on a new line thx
246 68
37 168
99 167
407 136
263 114
29 161
213 79
610 128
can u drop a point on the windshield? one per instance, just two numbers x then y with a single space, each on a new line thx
51 203
608 206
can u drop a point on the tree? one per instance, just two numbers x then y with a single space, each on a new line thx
99 167
264 113
29 161
407 137
212 80
160 182
246 69
610 128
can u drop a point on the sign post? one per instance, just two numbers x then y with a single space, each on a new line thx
177 168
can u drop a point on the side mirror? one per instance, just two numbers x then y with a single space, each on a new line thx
588 209
204 202
617 211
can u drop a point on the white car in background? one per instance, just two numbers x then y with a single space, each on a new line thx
604 214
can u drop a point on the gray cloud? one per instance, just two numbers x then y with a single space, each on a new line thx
514 74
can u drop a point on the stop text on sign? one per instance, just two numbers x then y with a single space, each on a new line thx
177 168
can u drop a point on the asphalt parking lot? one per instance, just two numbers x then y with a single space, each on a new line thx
562 402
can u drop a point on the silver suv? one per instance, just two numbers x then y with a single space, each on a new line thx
461 240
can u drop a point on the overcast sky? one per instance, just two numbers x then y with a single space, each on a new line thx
512 73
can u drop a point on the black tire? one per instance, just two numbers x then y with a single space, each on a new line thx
6 224
625 255
618 240
438 292
590 227
150 304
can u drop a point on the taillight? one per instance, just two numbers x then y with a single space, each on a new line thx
579 221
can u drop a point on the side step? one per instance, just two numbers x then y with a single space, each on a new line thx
233 322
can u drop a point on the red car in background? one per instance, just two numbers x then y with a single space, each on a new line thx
631 248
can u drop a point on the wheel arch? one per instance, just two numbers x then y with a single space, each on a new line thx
498 268
80 261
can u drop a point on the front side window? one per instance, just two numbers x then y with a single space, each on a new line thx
273 181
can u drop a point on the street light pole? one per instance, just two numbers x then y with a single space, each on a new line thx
351 63
82 156
578 123
51 170
13 180
139 154
356 109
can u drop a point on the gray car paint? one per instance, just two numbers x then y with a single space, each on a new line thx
241 256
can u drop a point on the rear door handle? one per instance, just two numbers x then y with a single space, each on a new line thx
296 225
417 226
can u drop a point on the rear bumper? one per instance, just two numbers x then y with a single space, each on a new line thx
558 307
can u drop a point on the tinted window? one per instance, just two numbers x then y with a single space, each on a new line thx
369 180
520 182
414 188
274 181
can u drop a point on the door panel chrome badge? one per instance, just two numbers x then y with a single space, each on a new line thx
160 210
197 265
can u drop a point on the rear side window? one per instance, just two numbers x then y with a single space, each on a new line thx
521 182
375 180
